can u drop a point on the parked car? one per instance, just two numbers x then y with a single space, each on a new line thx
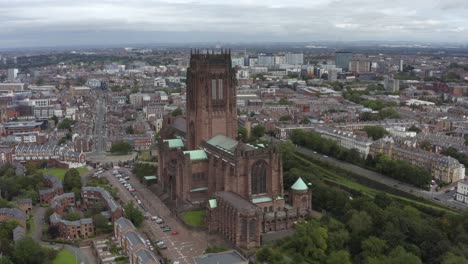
174 233
162 246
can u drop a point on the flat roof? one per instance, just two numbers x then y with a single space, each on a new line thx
198 154
148 178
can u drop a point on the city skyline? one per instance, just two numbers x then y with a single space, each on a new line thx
64 23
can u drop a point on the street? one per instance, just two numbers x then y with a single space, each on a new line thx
182 247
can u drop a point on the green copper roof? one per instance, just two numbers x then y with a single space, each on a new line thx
200 189
223 142
175 143
213 203
148 178
198 154
261 200
299 185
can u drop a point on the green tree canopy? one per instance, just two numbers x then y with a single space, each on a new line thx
258 131
121 148
375 132
27 251
72 180
133 214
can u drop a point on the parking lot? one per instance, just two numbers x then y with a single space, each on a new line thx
182 244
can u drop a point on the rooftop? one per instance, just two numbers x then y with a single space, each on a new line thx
174 143
223 142
198 154
299 185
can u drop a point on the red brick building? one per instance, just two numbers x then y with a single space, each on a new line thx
60 202
241 184
82 228
54 187
91 195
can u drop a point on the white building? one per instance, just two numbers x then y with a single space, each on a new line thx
237 62
266 60
347 140
399 131
12 74
160 82
294 58
419 102
462 191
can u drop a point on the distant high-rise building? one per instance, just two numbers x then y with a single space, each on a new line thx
401 65
294 58
332 74
360 66
280 60
391 84
266 60
15 61
252 61
12 74
342 59
237 62
4 61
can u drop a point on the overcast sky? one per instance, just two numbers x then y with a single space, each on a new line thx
90 22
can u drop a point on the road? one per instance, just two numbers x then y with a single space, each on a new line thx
100 126
182 247
442 198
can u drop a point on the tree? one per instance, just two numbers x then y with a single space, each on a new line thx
72 180
27 251
285 118
121 148
425 145
55 119
53 231
341 257
133 214
305 121
129 130
284 101
414 128
375 132
6 260
373 247
72 216
101 223
242 131
66 124
451 258
258 131
177 112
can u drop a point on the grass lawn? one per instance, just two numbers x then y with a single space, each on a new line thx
31 225
348 182
145 156
65 257
194 218
60 173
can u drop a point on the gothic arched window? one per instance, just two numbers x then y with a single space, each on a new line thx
258 177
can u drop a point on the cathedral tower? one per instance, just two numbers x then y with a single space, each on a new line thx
211 97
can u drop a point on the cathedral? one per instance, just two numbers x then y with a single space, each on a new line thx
202 164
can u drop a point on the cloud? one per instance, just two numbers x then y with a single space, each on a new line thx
46 22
